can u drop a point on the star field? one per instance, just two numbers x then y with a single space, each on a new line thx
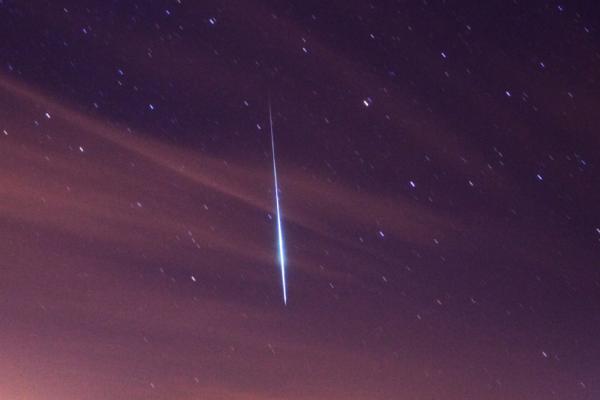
438 171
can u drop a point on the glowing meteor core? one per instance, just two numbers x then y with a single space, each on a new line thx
278 211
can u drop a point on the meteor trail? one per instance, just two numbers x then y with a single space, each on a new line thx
279 229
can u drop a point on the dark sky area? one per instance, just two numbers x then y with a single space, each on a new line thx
438 167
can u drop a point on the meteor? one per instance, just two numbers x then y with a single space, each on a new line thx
278 212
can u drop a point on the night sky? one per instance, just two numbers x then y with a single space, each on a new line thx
439 179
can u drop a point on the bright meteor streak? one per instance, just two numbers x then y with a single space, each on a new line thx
278 210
